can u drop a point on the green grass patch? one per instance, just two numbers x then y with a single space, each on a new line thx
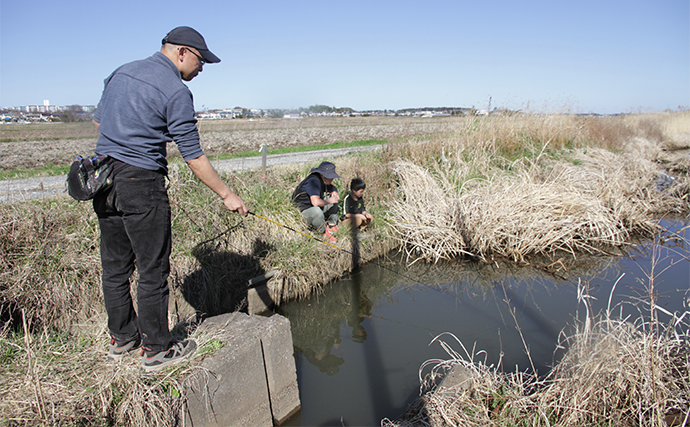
47 170
21 138
211 347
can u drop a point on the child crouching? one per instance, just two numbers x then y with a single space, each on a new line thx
355 214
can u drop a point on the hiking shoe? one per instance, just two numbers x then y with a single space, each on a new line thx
177 352
120 349
328 236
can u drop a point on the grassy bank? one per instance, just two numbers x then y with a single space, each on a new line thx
496 187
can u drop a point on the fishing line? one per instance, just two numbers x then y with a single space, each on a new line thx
390 221
221 234
336 247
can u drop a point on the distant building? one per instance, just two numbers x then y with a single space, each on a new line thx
209 116
40 108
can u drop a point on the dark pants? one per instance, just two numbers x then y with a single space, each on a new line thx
134 217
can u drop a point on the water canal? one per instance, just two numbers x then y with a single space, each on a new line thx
359 346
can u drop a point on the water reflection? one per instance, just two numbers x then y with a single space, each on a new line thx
316 322
360 344
361 307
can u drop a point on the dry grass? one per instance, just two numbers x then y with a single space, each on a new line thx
49 252
60 379
216 138
560 195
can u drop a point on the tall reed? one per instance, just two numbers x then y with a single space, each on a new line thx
533 185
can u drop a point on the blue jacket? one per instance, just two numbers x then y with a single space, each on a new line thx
144 106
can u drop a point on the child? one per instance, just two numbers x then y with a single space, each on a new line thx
355 213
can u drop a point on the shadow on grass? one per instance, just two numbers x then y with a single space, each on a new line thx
220 285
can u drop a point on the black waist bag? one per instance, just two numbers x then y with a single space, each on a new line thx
88 176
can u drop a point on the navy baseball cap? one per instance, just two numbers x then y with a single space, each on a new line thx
188 36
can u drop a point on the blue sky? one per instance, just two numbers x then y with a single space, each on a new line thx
586 56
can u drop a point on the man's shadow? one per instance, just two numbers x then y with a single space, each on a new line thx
221 283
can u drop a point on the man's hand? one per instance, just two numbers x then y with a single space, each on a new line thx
235 204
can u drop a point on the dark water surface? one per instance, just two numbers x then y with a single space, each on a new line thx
359 346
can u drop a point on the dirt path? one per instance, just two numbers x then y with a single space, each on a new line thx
52 186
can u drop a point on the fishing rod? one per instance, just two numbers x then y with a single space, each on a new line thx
241 223
297 231
382 219
217 236
333 246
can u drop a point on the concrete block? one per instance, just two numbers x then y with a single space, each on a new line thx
258 299
276 340
251 381
231 388
261 295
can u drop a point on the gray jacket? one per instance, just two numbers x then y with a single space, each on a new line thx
145 105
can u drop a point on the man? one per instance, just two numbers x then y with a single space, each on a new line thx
317 199
145 105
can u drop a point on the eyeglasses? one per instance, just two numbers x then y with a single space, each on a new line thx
202 61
